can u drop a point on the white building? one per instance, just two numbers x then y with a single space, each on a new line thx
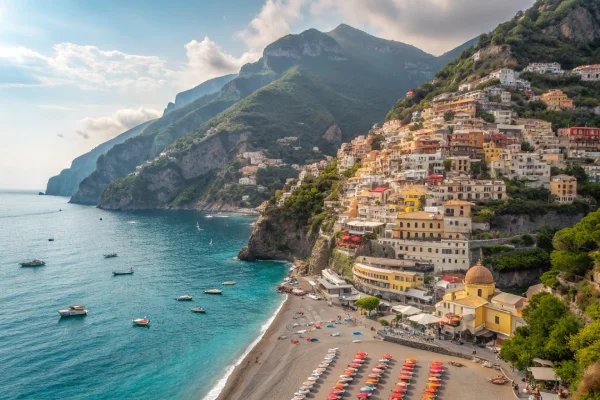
528 166
444 255
544 68
247 180
588 72
502 116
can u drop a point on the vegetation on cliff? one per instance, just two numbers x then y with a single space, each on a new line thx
564 31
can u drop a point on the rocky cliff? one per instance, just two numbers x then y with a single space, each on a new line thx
275 238
209 87
519 224
67 182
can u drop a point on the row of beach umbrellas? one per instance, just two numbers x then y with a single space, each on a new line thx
404 379
308 385
434 380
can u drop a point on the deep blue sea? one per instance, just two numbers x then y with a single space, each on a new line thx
181 355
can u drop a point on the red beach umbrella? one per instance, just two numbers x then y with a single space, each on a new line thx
333 397
396 395
363 395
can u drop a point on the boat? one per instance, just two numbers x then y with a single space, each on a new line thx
186 297
210 244
228 283
213 291
141 321
130 272
33 263
51 240
208 216
73 311
110 255
197 225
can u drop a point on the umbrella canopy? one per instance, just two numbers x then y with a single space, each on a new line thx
425 319
333 396
410 359
389 356
362 353
406 310
363 395
396 395
399 390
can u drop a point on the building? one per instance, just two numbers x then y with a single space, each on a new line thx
528 166
556 100
460 164
588 72
581 138
334 285
502 116
466 143
385 277
491 152
466 189
480 310
564 188
544 68
247 180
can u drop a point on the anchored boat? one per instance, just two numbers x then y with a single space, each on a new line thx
199 310
186 297
110 255
130 272
228 283
73 311
33 263
141 321
213 291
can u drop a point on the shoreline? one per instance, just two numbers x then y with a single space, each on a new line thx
244 364
234 370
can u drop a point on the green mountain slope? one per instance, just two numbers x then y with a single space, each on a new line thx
67 182
124 158
563 31
330 87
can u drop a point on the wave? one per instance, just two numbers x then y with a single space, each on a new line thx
218 388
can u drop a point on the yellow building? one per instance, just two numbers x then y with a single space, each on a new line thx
480 309
491 152
419 225
388 278
556 100
564 188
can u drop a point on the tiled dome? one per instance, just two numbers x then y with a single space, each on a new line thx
479 275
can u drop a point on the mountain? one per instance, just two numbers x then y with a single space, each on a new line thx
209 87
563 31
123 159
323 88
67 182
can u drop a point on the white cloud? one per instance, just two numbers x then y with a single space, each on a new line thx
432 25
272 22
108 127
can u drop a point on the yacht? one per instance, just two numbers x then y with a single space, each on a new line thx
33 263
213 291
130 272
186 297
141 321
73 311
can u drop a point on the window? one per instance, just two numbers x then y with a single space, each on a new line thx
408 224
497 319
430 225
480 293
423 225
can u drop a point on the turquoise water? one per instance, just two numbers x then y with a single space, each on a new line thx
182 355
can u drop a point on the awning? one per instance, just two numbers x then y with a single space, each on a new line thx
545 363
484 333
406 310
543 374
425 319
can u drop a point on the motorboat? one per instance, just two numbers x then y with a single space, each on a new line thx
130 272
213 291
186 297
73 311
199 310
51 240
228 283
33 263
141 321
110 255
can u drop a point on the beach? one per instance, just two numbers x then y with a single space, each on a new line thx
275 368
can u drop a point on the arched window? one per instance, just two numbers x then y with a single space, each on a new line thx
408 224
401 224
423 225
479 293
423 235
430 225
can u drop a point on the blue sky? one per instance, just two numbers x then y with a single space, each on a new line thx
74 74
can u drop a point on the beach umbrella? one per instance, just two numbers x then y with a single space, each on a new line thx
433 379
402 384
333 396
410 359
425 319
396 395
387 356
404 372
363 395
408 365
376 370
404 378
372 380
431 391
356 365
337 390
356 333
364 353
366 390
437 362
399 390
433 385
358 361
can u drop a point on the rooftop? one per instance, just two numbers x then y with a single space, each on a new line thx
507 298
420 215
471 301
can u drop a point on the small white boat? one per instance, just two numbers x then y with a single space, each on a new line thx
210 244
356 341
199 310
208 216
228 283
213 291
73 311
186 297
141 321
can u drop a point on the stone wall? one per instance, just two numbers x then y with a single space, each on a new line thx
520 224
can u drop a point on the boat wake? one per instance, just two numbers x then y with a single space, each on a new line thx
218 388
131 222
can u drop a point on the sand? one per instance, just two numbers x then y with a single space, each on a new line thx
276 368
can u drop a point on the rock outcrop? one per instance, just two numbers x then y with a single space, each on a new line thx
320 255
519 224
333 134
578 26
277 238
209 87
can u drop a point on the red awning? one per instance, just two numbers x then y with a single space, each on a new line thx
355 239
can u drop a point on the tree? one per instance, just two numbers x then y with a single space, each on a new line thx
368 303
525 146
447 165
544 238
449 115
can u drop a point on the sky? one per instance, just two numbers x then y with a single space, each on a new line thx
74 74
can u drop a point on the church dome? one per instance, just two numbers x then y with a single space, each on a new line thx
479 275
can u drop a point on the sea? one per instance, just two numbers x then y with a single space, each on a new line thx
181 355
